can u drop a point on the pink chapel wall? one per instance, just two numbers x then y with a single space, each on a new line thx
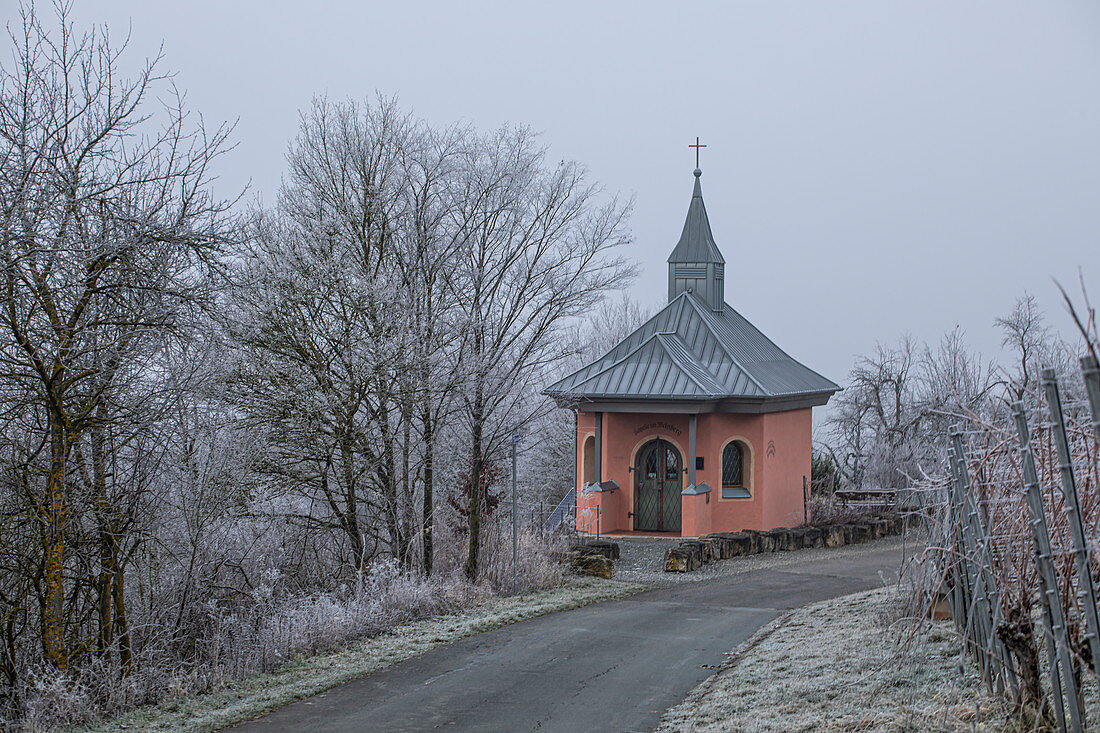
777 456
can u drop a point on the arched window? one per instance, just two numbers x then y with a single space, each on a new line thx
588 461
735 471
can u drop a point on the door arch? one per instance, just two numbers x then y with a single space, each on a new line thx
658 479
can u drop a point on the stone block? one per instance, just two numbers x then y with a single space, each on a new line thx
782 538
729 544
762 541
714 547
681 560
741 544
703 549
598 566
610 550
858 532
813 537
834 535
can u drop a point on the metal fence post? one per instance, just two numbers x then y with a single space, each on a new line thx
1090 370
955 571
985 581
1048 584
981 606
805 502
961 549
1086 588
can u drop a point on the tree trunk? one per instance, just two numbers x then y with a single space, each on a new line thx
351 501
1017 634
122 625
407 520
55 510
429 477
104 581
8 664
476 449
387 478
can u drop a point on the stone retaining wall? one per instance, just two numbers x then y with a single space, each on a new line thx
693 554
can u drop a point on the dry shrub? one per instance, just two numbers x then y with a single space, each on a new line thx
826 509
537 568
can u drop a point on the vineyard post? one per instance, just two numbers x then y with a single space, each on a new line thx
987 576
981 605
1086 588
959 590
1091 372
1048 579
974 629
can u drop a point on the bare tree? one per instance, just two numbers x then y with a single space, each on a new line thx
234 419
538 248
106 223
434 168
1026 334
876 417
322 314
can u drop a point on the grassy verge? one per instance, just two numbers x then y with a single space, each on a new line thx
841 666
247 698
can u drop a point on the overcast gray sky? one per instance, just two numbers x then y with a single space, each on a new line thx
873 167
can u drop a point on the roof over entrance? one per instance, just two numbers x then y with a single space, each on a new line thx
697 354
688 353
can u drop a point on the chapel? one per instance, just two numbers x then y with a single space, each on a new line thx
696 422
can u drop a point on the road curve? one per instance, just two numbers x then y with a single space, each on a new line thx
612 666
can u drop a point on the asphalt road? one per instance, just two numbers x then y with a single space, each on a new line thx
613 666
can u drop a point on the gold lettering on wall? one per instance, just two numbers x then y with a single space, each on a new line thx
658 425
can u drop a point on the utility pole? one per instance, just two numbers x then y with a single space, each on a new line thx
515 520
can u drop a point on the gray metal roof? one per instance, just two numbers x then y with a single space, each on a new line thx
696 349
696 240
689 352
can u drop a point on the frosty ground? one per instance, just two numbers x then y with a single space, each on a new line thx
848 664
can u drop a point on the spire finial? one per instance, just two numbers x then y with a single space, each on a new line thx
698 171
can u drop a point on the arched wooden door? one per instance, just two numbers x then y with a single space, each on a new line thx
657 485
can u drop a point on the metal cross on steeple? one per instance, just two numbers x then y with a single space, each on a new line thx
696 146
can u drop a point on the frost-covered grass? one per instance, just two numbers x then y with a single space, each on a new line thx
841 665
228 635
308 675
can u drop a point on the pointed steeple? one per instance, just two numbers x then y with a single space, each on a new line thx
696 264
696 241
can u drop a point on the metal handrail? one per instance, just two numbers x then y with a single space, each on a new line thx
565 509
